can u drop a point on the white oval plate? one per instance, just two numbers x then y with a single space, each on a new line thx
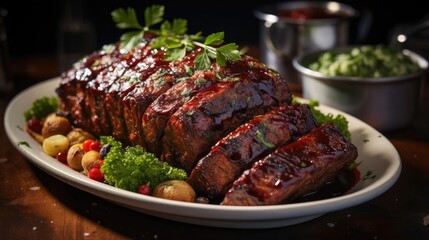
376 154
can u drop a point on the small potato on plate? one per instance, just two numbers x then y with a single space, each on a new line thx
175 190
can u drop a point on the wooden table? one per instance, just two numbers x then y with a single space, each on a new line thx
35 205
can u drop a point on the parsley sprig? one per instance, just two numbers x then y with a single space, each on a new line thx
173 38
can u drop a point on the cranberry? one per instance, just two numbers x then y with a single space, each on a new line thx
356 175
35 125
96 174
144 189
62 157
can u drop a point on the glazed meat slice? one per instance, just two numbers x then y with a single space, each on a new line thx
72 89
295 169
215 173
83 88
215 112
102 93
110 97
158 113
145 92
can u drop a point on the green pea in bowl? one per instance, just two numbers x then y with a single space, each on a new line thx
379 85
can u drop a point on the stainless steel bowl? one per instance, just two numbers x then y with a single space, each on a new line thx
283 38
386 103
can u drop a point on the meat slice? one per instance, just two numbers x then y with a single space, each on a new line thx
102 92
144 93
71 91
215 173
158 113
84 87
108 93
293 170
215 112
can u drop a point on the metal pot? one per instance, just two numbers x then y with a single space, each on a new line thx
283 38
385 103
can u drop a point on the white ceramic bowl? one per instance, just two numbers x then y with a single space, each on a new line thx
385 103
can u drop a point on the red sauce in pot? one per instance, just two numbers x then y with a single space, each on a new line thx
310 13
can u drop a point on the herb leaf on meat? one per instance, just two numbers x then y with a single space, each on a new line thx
173 38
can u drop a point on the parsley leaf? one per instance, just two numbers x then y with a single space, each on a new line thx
172 37
179 27
222 54
202 61
214 39
131 39
126 19
227 52
153 15
175 53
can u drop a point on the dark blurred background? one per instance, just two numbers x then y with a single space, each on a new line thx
34 28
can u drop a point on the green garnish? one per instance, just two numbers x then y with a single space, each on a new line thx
365 61
173 38
340 121
24 143
368 175
41 108
261 138
128 168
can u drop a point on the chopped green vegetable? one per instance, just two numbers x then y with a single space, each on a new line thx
130 167
340 121
365 61
23 143
41 108
261 138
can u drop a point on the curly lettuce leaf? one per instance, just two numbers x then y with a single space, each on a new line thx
128 168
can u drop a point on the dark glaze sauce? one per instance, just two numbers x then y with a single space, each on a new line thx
338 186
160 70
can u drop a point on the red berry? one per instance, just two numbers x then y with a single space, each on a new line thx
96 174
35 125
356 175
95 145
144 189
62 157
86 145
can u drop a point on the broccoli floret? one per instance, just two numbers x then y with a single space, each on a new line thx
41 108
128 168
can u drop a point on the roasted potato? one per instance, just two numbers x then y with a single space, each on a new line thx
175 190
56 125
90 159
77 135
74 157
54 144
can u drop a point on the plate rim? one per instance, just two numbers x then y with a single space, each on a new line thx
239 214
